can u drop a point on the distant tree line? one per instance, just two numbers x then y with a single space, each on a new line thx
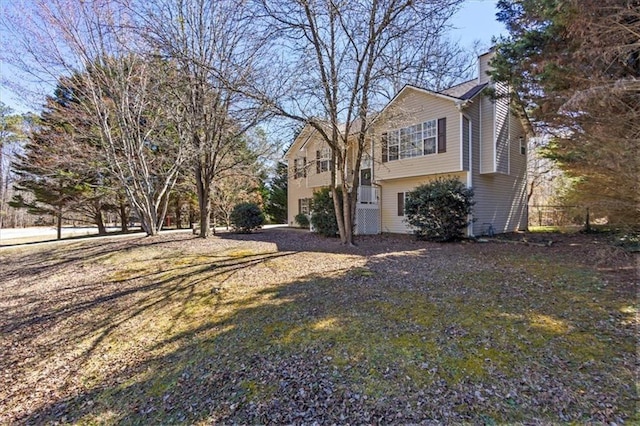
161 95
162 104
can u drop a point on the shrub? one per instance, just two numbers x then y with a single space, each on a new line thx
302 220
323 214
439 210
246 217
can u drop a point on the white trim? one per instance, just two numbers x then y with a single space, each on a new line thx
509 148
470 185
494 145
480 136
461 142
470 171
286 154
470 146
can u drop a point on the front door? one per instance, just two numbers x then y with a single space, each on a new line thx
365 177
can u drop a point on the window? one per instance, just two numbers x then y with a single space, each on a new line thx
414 141
523 146
401 198
304 205
390 146
299 167
429 136
323 160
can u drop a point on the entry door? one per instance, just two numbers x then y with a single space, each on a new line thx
365 177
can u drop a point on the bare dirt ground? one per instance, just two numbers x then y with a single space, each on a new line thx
284 326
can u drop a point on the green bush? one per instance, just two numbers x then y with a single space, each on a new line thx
302 220
439 210
323 215
246 217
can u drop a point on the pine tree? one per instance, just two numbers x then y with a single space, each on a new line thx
276 206
576 67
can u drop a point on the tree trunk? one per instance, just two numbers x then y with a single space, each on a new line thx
178 212
204 203
348 217
100 222
124 222
59 223
338 205
149 224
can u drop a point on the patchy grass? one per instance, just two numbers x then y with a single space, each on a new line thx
259 328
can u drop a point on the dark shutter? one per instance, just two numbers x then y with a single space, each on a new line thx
318 162
385 148
299 205
442 135
295 168
400 203
304 166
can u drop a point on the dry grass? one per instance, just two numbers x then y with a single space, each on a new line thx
286 327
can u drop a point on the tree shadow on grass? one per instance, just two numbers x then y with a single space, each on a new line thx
458 341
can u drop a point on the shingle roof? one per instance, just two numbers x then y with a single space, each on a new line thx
473 91
464 91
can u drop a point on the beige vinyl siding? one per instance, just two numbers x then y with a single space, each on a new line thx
500 198
503 135
466 136
391 222
315 180
297 189
412 108
487 136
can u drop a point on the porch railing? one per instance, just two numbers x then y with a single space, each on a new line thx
368 195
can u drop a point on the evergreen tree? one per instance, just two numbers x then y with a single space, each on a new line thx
575 66
276 206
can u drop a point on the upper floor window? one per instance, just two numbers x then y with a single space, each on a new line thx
299 167
414 141
323 160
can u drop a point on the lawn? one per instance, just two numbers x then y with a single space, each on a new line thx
287 327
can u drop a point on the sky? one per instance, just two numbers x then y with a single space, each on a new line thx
476 21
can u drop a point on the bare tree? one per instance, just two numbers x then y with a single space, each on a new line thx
333 60
122 91
211 44
11 134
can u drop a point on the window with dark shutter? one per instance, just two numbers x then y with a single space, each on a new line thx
442 135
318 162
400 203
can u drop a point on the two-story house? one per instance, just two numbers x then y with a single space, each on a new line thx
467 131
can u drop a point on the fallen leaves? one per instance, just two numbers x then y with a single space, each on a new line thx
285 327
